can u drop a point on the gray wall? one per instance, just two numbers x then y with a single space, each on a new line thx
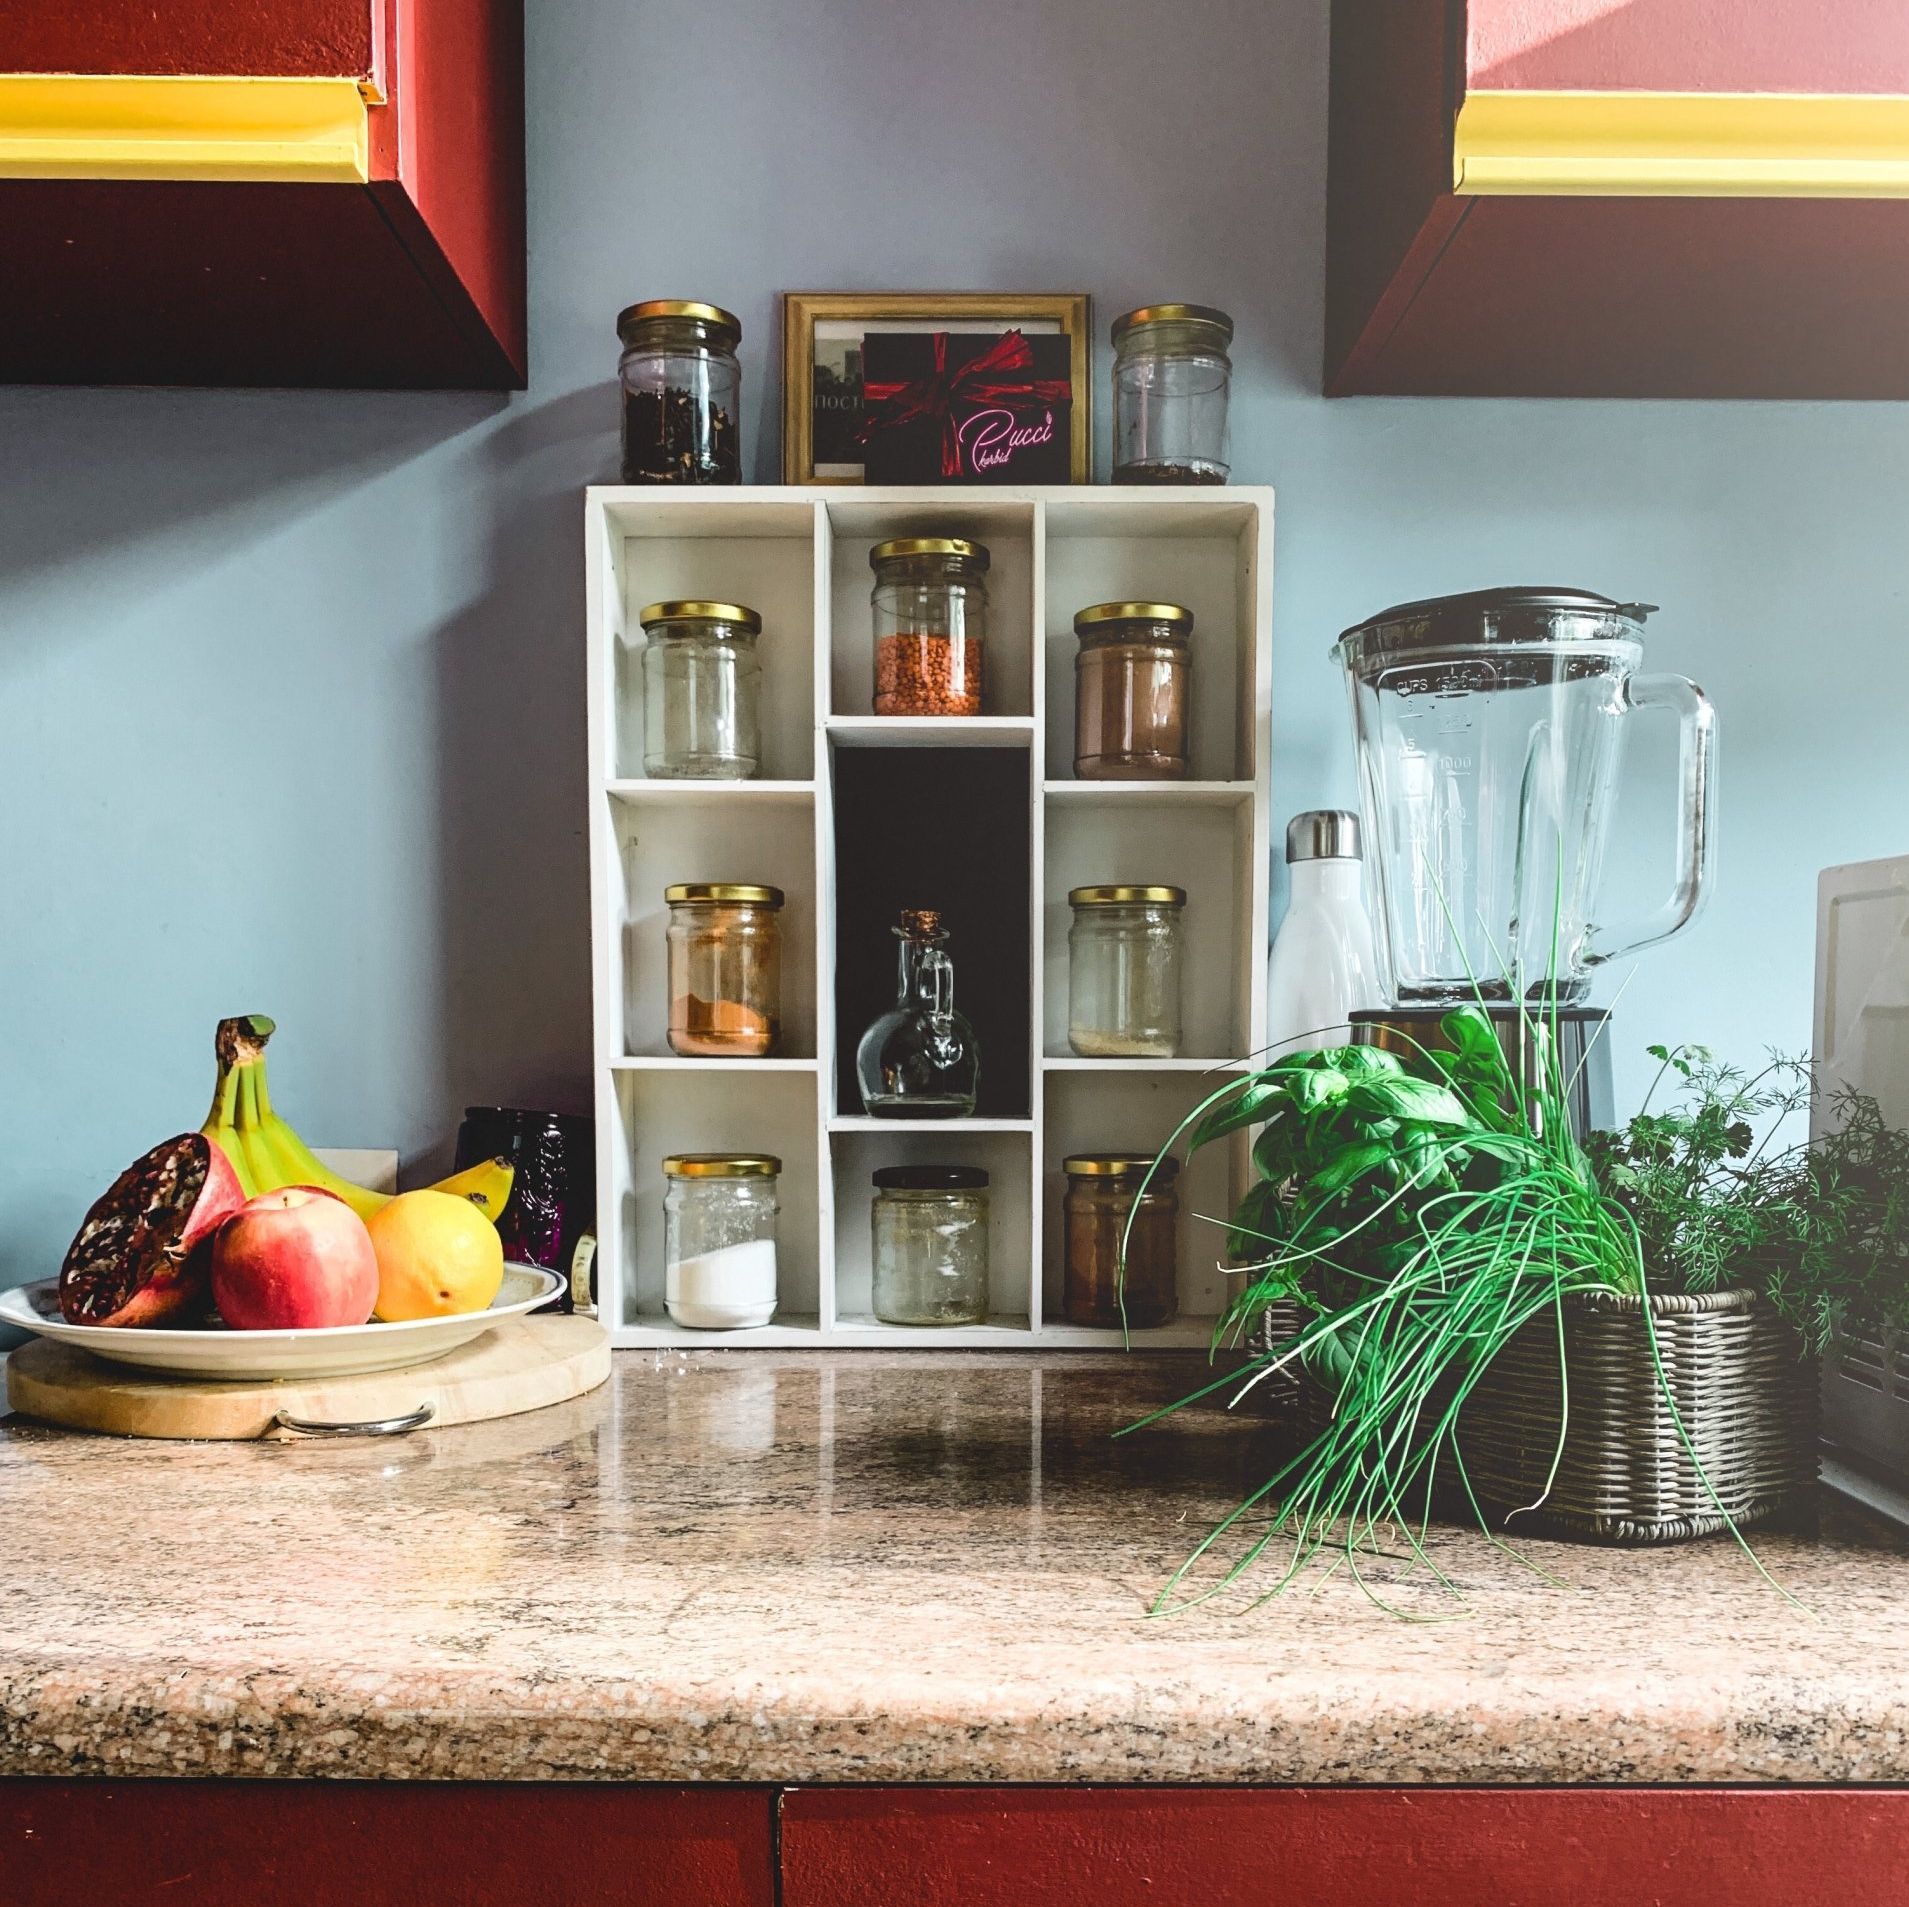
292 684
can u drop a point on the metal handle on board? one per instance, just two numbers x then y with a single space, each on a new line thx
371 1427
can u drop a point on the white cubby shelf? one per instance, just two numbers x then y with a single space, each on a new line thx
991 825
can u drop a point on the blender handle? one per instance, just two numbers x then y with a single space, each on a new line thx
1696 837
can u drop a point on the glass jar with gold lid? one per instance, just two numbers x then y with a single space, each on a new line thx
1123 971
1172 379
682 387
725 969
1115 1202
719 1238
1131 691
702 691
930 605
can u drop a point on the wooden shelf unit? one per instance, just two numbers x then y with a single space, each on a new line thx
800 556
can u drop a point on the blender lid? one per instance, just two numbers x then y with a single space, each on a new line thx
1466 616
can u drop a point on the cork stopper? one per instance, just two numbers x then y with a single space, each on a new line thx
920 923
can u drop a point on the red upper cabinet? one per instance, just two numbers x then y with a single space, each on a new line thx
1619 198
219 192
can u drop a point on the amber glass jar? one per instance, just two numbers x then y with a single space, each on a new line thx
1131 684
725 969
1103 1191
930 605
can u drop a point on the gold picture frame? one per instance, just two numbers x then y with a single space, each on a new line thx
809 315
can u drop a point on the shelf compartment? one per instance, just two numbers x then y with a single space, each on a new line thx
1203 557
1134 1110
762 556
1004 526
949 830
1006 1157
686 838
714 1109
1209 850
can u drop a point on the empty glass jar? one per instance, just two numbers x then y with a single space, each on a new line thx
681 390
1103 1192
719 1239
702 688
919 1060
930 605
725 969
1131 683
1123 972
1172 378
930 1239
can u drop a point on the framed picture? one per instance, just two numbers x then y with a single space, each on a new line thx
822 334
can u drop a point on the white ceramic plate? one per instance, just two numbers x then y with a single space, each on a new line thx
336 1351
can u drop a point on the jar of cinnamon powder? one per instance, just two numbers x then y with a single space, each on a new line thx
930 606
1131 692
725 969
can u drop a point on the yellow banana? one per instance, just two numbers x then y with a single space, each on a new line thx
266 1153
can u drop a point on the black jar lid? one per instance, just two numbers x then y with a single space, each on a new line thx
931 1178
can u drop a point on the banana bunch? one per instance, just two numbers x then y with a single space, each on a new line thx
266 1153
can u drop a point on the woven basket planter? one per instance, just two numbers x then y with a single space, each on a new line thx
1747 1399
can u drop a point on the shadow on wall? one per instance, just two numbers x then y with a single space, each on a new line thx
513 848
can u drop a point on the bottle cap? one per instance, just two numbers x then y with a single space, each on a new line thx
1323 834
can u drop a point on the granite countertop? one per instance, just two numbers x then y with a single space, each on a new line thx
873 1567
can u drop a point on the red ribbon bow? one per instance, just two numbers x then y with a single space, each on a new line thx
980 381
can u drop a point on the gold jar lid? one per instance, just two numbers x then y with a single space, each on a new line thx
1118 1165
633 317
1215 320
1176 614
956 546
1115 896
721 1165
683 893
737 613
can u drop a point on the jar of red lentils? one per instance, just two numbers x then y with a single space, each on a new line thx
931 625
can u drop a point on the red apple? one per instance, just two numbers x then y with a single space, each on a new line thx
294 1259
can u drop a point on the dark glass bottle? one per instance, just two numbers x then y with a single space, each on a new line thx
919 1059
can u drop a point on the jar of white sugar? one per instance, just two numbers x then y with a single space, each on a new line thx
719 1239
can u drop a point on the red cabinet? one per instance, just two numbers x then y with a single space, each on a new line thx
382 1844
322 192
1352 1847
1574 198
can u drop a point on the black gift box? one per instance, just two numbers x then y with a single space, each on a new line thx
966 407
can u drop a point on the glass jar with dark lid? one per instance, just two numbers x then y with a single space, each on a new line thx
930 605
1132 691
1172 379
702 691
682 387
1104 1191
929 1238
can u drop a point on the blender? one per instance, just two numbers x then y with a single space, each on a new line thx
1490 729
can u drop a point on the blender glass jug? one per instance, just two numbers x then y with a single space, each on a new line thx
1490 731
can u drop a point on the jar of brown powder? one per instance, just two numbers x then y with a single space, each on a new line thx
1104 1190
1131 692
725 969
930 605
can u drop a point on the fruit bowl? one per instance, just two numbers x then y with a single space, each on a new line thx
249 1356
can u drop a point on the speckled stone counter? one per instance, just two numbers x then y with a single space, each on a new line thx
874 1567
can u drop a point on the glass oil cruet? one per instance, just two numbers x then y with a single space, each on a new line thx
919 1059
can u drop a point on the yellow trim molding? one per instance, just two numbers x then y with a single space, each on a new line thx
104 126
1696 145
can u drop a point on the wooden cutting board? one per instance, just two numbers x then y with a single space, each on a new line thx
524 1365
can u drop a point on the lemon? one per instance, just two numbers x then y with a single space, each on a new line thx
437 1255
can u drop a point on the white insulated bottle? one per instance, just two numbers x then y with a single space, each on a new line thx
1323 967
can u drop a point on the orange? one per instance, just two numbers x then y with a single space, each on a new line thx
437 1255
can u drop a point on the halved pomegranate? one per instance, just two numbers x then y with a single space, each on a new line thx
135 1259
